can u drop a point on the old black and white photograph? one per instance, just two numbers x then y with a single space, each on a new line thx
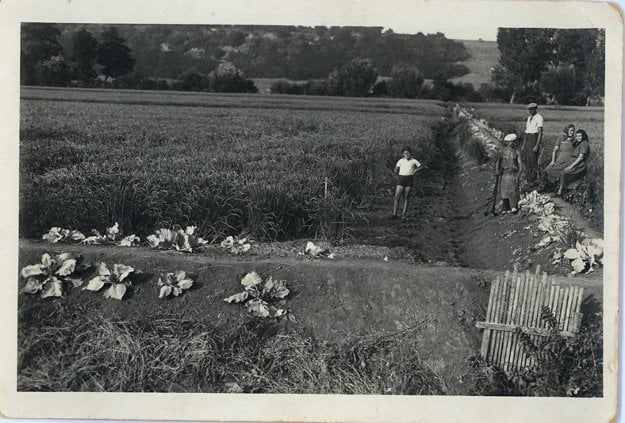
344 209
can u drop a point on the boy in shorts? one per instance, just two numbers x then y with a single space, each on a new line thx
405 169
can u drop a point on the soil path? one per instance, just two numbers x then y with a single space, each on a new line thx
450 227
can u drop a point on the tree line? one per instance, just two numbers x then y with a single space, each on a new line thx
302 53
44 62
87 61
360 78
208 58
291 52
543 65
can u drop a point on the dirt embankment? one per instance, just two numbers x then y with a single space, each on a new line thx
334 300
448 225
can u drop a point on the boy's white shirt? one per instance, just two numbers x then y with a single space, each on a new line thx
407 167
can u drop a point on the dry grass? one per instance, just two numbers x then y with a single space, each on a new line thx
169 355
62 349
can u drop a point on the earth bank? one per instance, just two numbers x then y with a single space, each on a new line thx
334 301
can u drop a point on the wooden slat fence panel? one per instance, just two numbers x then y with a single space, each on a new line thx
516 304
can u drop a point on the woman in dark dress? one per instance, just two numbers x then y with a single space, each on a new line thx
560 157
576 170
509 166
568 161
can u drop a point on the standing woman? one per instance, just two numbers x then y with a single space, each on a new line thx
532 140
577 169
508 167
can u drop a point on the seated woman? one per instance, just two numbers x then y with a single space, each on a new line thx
560 158
574 172
568 160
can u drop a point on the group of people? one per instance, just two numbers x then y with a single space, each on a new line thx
567 167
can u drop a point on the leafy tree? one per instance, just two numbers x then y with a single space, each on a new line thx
470 94
533 60
585 50
442 88
281 86
39 43
594 71
406 81
563 84
317 87
114 55
228 79
354 79
524 56
580 52
53 72
380 89
237 37
84 52
192 81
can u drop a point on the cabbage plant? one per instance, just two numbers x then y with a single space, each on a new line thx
115 281
57 234
586 255
259 296
49 276
236 245
176 238
173 283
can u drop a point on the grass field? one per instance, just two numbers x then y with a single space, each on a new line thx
508 118
228 163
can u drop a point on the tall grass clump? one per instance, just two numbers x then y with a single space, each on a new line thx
227 169
169 355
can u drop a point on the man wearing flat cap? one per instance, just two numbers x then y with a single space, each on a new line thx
509 166
532 140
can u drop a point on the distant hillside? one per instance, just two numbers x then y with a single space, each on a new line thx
298 53
484 55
